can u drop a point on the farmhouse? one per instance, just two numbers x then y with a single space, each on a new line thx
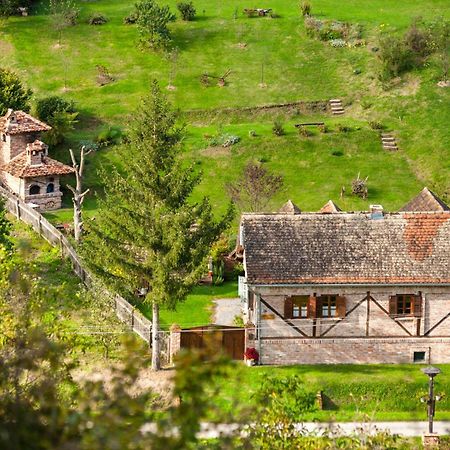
336 287
25 167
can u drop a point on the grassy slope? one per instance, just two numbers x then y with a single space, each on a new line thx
66 297
354 392
296 68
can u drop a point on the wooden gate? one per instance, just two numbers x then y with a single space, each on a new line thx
230 340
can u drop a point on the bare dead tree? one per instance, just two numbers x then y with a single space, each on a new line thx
255 187
77 191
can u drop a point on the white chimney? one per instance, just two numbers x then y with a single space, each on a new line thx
376 212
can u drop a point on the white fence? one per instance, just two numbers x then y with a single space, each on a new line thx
126 312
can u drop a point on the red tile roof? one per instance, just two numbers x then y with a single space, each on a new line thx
17 122
20 168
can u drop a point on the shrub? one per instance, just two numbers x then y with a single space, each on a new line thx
278 129
359 187
218 273
130 19
109 136
187 10
395 56
337 153
305 8
303 131
375 125
13 94
47 107
97 19
343 128
224 140
252 133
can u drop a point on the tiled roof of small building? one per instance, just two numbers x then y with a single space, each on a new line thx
289 208
426 201
20 168
17 122
345 248
330 208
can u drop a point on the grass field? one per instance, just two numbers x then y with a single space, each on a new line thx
89 327
197 308
296 67
351 392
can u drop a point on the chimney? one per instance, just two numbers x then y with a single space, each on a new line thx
376 212
35 152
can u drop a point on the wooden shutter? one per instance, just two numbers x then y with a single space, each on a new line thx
340 306
312 307
417 305
393 305
288 308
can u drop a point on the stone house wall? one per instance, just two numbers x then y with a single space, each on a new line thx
366 334
45 201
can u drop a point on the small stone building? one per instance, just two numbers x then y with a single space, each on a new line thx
25 167
336 287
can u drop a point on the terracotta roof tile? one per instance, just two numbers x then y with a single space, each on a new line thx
17 122
20 168
347 248
426 201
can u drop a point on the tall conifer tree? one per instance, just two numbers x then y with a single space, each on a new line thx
147 232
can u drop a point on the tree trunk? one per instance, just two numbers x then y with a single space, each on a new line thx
156 357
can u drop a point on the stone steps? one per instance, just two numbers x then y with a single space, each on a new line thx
336 106
389 142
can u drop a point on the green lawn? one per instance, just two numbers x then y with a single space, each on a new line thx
197 308
296 67
352 392
87 325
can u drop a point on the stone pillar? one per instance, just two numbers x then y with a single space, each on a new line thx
175 341
430 441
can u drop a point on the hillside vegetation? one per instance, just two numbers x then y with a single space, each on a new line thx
292 66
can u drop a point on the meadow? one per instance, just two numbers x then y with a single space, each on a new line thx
292 66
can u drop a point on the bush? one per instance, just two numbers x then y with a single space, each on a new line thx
305 8
109 136
218 273
359 187
187 10
224 140
338 43
130 19
13 94
303 131
97 19
47 107
337 153
343 128
376 125
278 129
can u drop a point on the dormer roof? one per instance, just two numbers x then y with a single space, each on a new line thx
18 122
426 201
289 208
330 208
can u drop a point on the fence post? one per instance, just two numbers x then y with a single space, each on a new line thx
61 245
39 225
18 208
132 319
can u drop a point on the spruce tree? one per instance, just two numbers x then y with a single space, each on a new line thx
147 232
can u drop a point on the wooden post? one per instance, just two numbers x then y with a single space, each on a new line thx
368 315
18 208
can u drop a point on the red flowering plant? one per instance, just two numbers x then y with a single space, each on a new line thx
252 354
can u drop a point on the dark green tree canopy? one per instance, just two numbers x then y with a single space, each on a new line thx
147 232
13 94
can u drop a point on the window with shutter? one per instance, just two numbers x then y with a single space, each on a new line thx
312 307
327 306
340 306
405 305
288 308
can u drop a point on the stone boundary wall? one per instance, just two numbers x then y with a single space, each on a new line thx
126 312
393 350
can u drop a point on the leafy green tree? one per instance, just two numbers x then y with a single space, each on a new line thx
187 10
147 233
152 21
47 107
13 94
